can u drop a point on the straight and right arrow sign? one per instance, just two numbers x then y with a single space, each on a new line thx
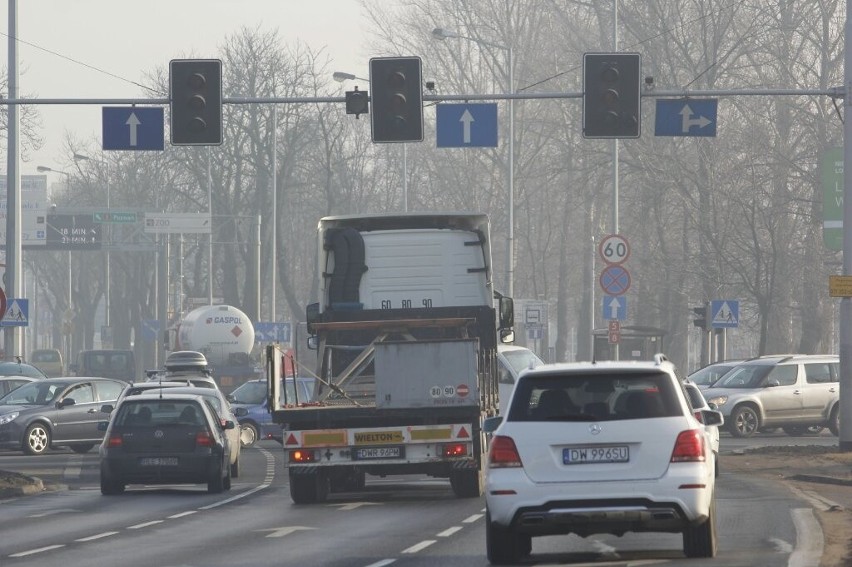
686 117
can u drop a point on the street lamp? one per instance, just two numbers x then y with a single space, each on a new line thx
341 76
442 34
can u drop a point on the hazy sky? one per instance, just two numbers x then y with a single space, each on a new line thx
95 48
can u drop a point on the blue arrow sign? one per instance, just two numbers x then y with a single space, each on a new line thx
686 117
724 313
133 128
466 125
615 307
271 332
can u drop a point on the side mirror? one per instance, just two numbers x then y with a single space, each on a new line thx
230 398
492 423
313 342
507 336
228 425
240 412
713 406
312 315
712 417
107 408
774 383
507 312
65 403
102 425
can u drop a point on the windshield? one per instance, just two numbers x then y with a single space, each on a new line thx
747 376
34 393
709 374
250 393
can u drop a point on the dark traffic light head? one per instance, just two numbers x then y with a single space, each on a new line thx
611 95
397 99
195 91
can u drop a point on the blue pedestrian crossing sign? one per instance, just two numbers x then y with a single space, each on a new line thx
724 313
466 125
17 313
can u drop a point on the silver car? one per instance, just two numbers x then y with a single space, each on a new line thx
794 392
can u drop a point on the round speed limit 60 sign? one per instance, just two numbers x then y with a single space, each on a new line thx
614 249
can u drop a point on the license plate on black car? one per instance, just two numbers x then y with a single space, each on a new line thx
586 455
158 461
368 453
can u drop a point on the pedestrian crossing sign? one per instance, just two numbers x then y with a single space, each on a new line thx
724 313
17 313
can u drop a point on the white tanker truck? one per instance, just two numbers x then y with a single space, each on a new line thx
225 335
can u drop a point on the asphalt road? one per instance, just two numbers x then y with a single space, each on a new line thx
400 521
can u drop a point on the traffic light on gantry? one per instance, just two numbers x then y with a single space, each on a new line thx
611 95
700 320
195 89
396 96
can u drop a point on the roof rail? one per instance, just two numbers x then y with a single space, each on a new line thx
660 358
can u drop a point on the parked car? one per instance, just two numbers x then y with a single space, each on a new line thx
706 376
56 412
794 392
604 447
249 403
9 383
699 405
223 409
512 360
106 363
49 361
168 439
17 368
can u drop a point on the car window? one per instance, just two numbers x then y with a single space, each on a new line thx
108 391
158 412
709 374
250 393
693 395
785 374
82 394
818 373
835 372
594 396
745 376
38 393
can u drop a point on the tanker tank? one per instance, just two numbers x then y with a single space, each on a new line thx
223 333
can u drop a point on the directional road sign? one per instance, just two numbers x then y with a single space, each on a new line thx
17 314
113 216
466 125
615 307
177 223
271 332
831 175
615 280
133 128
72 232
724 313
686 117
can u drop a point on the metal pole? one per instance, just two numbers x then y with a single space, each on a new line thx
615 149
511 184
405 177
210 236
11 336
274 208
257 272
845 441
70 312
109 228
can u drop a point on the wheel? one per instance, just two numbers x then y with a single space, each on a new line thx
502 545
308 488
235 468
248 434
36 439
744 422
466 483
834 421
701 540
350 480
110 486
216 482
82 447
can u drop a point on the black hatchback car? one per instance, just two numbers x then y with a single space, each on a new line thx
56 412
165 439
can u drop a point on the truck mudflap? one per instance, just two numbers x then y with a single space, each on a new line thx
453 444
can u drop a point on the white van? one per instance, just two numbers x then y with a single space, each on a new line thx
513 360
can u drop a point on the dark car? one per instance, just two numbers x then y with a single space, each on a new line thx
56 412
173 439
10 368
249 404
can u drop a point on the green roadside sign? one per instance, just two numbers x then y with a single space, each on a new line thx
113 217
831 175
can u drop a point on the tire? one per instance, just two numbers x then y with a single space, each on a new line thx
466 483
701 540
216 482
235 468
248 434
351 480
109 485
308 488
36 439
744 422
82 447
502 545
834 421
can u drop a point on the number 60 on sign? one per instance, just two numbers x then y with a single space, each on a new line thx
614 249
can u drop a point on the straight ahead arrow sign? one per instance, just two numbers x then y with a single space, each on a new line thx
466 119
133 122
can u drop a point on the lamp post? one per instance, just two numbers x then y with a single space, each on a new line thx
442 34
341 76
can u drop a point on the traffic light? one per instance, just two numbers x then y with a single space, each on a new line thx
195 88
356 103
611 95
700 320
397 98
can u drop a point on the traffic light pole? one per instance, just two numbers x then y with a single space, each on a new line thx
845 437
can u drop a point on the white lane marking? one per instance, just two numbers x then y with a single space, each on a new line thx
94 537
34 551
52 512
450 531
234 498
472 519
604 549
781 546
353 505
182 514
382 563
419 547
809 539
145 525
285 531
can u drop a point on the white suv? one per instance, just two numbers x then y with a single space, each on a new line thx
607 447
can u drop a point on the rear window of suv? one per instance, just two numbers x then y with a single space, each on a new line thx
595 396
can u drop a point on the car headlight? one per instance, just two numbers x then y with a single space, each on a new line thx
6 418
718 400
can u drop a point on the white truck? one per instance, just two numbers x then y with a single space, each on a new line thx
406 333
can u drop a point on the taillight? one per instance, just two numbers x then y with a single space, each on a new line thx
689 447
302 456
115 441
455 450
503 453
204 439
